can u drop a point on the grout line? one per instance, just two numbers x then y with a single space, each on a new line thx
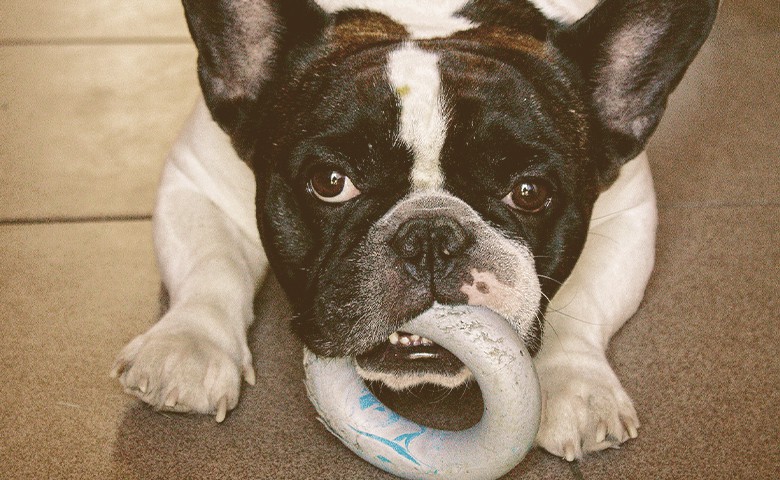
98 41
85 219
669 206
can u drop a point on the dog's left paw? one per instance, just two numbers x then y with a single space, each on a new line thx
584 407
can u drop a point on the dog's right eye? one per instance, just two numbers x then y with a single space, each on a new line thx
332 186
529 195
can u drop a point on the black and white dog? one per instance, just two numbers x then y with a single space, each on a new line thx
393 154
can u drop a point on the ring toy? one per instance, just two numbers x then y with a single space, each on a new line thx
502 367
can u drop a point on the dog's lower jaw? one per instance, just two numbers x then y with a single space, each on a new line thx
399 382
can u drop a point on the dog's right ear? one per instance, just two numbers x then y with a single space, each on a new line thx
240 43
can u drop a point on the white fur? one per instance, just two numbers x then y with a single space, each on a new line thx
414 74
567 11
405 382
211 260
585 407
422 19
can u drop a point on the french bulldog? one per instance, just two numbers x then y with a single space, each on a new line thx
383 156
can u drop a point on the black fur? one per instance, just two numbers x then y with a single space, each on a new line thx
527 97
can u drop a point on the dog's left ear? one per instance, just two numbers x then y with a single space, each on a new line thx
632 54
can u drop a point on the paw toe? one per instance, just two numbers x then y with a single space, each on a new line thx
180 373
584 411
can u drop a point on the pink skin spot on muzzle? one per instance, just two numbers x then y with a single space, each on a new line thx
486 290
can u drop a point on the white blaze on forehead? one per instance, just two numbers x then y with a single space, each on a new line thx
422 19
567 11
414 74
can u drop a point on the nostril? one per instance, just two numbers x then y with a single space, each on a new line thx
429 246
450 238
409 242
407 249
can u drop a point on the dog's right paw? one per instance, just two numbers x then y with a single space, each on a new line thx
183 372
584 407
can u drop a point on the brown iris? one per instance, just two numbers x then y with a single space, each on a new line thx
327 184
529 195
331 186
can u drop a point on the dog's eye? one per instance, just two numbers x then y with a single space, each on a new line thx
529 195
332 186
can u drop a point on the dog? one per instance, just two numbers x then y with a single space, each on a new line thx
383 156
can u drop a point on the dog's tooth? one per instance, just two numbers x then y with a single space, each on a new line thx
418 355
426 341
415 338
393 338
404 340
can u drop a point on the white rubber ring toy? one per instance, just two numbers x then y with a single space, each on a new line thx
502 366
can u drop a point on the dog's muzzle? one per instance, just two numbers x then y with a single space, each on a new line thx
442 251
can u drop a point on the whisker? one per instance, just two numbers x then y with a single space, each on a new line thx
550 256
590 232
557 337
611 214
575 318
557 310
549 301
561 312
546 322
550 278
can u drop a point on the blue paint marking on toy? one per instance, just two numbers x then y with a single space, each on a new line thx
408 437
380 457
393 417
399 449
368 400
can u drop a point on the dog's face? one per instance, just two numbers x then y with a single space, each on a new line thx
455 160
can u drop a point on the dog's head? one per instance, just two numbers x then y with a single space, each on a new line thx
432 152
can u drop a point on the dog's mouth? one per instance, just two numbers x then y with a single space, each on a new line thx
405 360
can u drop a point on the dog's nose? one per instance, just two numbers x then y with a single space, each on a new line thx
430 246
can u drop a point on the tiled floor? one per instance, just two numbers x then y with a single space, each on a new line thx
92 92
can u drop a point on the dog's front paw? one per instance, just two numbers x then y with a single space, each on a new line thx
584 407
183 371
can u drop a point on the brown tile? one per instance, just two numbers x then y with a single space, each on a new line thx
719 142
70 297
85 128
91 19
700 357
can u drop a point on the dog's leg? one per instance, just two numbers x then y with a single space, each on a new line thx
585 408
211 261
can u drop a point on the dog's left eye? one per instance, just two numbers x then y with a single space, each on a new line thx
529 195
332 186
